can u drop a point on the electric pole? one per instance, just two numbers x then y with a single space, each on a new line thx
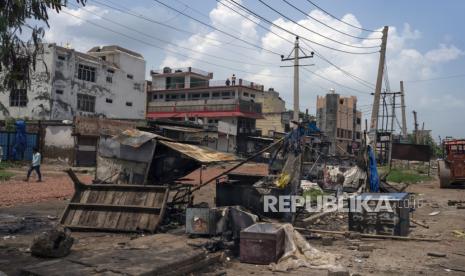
296 65
379 83
415 134
404 120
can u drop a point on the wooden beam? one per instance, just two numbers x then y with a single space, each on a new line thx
115 207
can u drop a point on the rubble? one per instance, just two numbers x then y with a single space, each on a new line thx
54 243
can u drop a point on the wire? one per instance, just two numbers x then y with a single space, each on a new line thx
219 30
170 43
125 10
348 87
354 77
168 50
323 23
438 78
294 34
340 20
312 31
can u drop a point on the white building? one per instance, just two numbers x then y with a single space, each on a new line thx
106 81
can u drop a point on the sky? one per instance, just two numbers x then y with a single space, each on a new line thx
425 46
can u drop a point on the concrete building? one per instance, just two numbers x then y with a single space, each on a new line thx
105 82
340 120
189 94
275 117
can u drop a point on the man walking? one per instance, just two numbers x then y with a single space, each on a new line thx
36 159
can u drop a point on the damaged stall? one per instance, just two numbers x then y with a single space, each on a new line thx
135 172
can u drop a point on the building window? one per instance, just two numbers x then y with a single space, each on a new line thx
109 79
358 135
359 121
154 96
61 57
182 96
252 95
161 96
111 71
86 73
130 76
128 103
85 103
109 100
18 97
205 95
246 94
103 57
58 91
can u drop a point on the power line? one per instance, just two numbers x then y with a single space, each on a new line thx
168 42
304 38
219 30
438 78
125 10
323 23
354 77
340 20
342 85
312 31
168 50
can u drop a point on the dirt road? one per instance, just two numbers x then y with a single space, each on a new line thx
388 258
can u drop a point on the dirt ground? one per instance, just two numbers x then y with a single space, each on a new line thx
33 212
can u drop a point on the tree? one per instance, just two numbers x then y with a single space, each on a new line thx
18 56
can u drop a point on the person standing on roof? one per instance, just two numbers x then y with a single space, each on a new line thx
36 159
227 82
233 79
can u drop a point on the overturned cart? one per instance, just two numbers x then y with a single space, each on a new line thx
135 173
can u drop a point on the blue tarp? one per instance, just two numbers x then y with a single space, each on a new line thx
20 140
372 166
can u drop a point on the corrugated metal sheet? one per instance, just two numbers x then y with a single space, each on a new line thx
201 154
182 129
96 126
136 138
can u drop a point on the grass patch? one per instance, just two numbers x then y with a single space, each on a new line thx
406 176
5 176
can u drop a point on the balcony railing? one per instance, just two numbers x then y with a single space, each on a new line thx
206 106
206 84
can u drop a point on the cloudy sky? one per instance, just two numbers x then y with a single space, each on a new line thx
425 49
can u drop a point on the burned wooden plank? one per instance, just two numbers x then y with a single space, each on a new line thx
110 207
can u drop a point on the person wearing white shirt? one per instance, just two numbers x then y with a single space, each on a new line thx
36 159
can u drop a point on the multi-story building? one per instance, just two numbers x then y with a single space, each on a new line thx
106 82
340 120
275 117
190 94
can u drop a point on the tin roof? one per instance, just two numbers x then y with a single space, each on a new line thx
201 154
182 129
136 138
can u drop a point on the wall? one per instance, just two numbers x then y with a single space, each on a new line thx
272 108
272 121
60 73
38 94
59 143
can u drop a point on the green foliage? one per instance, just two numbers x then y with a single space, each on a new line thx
5 176
406 176
313 193
18 56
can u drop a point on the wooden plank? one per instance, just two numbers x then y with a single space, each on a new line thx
113 208
123 223
77 215
144 219
112 218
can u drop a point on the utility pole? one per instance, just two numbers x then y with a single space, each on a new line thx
404 120
379 83
393 112
296 65
415 134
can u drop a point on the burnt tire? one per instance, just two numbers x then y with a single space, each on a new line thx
444 174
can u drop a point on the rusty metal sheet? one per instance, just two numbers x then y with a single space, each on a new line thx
411 152
136 138
115 207
182 129
201 154
96 126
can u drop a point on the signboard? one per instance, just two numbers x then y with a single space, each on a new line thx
227 128
411 152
